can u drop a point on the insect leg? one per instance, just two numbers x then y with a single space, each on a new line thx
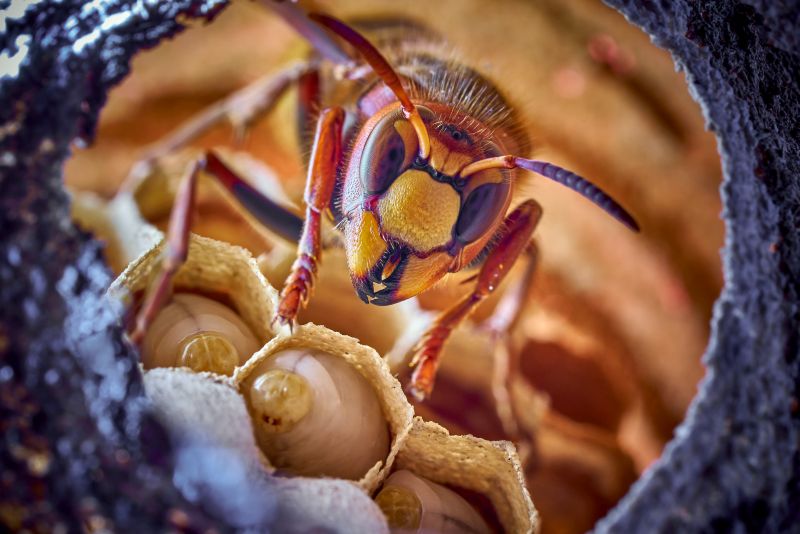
266 211
308 106
500 326
175 252
517 231
318 37
241 109
322 174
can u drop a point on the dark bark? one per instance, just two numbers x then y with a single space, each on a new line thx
734 464
79 448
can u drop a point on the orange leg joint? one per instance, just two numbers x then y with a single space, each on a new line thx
518 229
325 156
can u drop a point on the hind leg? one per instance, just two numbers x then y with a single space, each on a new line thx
240 109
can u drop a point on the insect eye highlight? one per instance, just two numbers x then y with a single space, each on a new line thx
480 211
391 147
457 134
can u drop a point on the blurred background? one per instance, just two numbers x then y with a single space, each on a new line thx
614 328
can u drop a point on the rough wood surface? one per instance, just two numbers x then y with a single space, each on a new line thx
734 465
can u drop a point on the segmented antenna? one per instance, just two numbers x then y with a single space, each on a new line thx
318 37
558 174
383 70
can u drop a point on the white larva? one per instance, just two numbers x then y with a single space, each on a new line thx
315 415
199 333
414 504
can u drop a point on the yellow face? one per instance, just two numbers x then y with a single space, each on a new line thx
408 221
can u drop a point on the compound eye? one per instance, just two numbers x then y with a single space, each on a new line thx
481 210
391 148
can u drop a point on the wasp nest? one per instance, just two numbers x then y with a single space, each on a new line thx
311 405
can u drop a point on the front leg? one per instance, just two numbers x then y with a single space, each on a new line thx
500 327
516 234
322 174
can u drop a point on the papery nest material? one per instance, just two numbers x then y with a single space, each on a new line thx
208 419
490 468
212 268
394 405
